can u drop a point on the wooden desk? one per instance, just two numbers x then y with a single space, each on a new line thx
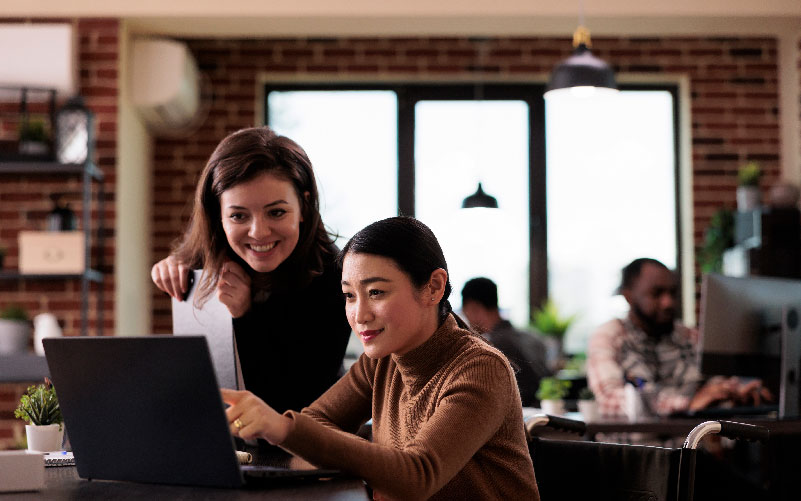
63 483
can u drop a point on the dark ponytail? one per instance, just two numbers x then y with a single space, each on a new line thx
412 246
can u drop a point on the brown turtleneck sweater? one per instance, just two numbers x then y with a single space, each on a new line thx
447 423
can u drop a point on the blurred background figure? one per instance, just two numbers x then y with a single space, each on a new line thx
525 351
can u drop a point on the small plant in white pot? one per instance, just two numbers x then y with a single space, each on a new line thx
748 187
39 408
551 394
15 330
587 405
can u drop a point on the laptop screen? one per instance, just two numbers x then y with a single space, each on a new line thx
144 409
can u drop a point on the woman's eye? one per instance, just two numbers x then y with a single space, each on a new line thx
277 212
347 295
375 292
236 216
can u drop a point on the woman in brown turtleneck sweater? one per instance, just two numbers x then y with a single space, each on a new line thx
447 421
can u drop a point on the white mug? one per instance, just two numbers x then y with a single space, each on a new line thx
44 325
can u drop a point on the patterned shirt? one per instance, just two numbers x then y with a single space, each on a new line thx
665 368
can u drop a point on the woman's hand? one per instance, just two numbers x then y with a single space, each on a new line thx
249 417
233 289
171 276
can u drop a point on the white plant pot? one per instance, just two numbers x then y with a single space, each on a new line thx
45 438
553 407
748 198
14 335
588 410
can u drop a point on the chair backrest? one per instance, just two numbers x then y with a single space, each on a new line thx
568 469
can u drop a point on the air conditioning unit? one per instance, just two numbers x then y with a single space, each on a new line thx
165 84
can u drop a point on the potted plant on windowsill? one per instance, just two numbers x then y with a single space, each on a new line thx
748 187
551 394
15 330
550 323
39 408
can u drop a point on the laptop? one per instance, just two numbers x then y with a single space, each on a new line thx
148 409
213 321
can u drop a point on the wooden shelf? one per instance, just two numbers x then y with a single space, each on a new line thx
35 167
23 368
92 275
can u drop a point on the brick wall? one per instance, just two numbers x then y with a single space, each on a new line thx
25 201
734 92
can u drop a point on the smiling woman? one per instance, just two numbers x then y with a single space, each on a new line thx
256 232
447 420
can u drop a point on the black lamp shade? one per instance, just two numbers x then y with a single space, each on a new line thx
582 69
480 199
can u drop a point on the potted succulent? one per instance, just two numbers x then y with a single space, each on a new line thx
748 187
550 323
15 330
587 405
39 408
33 138
551 394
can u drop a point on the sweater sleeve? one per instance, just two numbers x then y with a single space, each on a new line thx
470 410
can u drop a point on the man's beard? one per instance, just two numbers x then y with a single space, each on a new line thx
650 324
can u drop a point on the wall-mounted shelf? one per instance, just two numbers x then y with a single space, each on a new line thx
20 165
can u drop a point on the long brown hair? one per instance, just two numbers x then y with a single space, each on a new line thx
239 158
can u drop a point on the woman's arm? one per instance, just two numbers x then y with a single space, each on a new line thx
471 410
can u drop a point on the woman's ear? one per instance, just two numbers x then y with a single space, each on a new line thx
436 285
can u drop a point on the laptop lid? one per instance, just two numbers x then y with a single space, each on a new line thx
214 322
144 409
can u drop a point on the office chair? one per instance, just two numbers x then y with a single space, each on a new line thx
577 469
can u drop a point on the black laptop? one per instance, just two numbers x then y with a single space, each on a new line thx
148 409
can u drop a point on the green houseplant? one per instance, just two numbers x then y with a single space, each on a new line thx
548 321
718 237
33 139
15 330
748 186
551 394
40 410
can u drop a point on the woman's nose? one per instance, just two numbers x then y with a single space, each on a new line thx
363 313
259 228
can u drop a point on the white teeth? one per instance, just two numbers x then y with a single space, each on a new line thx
263 248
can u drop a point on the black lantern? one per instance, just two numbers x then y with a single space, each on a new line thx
73 132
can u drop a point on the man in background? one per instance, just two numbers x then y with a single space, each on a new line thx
524 350
654 352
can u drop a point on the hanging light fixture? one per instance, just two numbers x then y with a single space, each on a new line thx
582 73
480 199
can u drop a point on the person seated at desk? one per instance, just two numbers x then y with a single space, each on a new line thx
524 350
655 352
447 420
257 233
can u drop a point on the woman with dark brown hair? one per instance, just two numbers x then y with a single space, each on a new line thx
256 232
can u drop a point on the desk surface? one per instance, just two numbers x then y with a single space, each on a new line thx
63 483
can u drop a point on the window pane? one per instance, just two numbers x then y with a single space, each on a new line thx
458 144
351 138
610 199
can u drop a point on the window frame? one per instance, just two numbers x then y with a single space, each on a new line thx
409 93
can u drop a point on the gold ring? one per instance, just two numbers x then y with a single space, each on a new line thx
238 424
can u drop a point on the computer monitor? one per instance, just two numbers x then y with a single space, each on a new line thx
750 327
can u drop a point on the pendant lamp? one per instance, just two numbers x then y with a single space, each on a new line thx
480 199
582 73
